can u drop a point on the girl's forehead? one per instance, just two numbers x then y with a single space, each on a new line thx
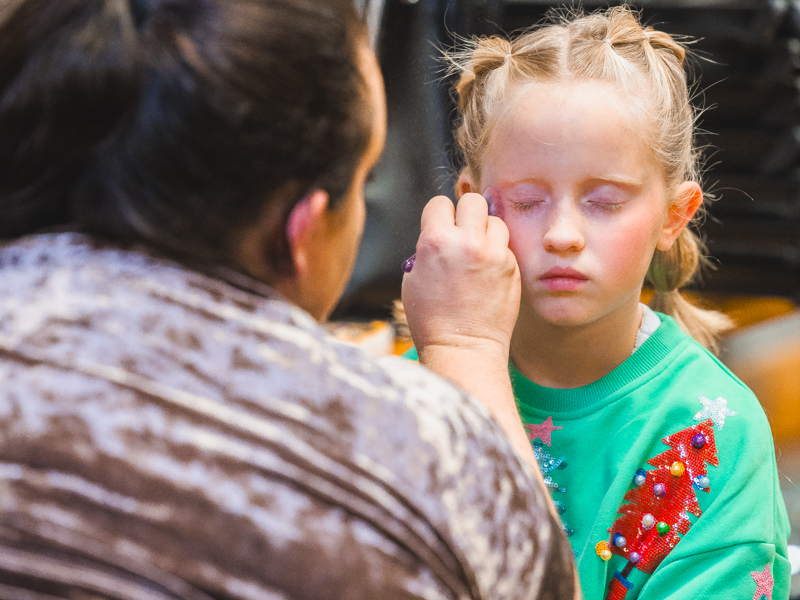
555 107
583 125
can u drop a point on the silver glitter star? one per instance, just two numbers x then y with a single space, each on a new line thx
716 410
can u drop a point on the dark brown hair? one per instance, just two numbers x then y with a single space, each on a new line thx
175 122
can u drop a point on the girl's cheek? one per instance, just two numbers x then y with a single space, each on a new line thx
628 242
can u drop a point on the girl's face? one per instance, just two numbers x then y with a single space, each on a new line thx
584 201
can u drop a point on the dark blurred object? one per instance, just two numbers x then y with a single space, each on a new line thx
415 165
746 71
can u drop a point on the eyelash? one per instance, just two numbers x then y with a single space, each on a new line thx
607 206
526 206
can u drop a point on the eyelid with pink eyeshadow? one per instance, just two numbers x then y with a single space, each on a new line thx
607 197
519 195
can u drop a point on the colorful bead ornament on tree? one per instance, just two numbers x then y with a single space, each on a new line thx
639 477
656 513
677 469
601 548
702 482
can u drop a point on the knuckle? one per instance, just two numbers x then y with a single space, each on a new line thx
433 239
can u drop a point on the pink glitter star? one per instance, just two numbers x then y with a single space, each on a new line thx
542 430
764 583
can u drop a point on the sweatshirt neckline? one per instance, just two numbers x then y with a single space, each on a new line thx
656 348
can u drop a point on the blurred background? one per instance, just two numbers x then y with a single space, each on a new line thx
746 73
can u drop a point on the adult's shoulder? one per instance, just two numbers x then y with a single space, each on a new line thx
260 424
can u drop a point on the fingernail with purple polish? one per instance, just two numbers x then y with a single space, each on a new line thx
408 263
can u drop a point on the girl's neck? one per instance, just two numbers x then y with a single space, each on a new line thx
566 357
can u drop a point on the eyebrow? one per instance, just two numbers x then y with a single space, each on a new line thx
626 182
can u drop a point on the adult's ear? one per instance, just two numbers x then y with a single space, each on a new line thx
305 218
689 200
465 184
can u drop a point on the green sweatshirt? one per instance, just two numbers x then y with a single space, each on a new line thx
609 429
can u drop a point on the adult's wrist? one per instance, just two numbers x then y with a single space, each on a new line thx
465 349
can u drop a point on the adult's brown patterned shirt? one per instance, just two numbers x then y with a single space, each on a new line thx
166 433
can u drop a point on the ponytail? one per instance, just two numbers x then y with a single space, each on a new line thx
68 72
672 269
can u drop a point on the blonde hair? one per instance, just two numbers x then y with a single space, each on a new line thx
609 46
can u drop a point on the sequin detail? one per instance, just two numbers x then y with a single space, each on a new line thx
639 477
547 463
677 468
764 583
539 434
716 410
644 506
601 549
541 430
619 587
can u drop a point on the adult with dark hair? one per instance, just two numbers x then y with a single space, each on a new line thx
181 198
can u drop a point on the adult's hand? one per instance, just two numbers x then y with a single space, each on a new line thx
464 289
462 301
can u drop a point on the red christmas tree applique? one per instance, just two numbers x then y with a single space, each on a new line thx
656 512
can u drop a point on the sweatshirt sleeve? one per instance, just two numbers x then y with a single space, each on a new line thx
744 571
738 546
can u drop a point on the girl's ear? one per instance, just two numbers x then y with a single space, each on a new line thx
465 185
690 199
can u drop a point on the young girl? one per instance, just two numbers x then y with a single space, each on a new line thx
580 136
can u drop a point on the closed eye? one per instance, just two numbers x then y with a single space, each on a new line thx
527 204
526 196
607 198
606 206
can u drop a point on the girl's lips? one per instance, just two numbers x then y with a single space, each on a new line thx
559 279
564 272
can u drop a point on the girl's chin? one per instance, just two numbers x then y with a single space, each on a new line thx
562 312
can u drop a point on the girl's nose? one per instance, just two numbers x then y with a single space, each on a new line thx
563 234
